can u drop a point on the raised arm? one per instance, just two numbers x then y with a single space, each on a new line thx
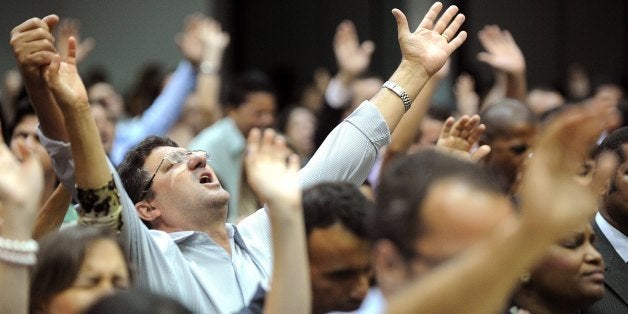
276 181
33 47
72 28
21 185
214 42
96 192
410 124
504 55
552 204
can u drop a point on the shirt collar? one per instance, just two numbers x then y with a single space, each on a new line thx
618 240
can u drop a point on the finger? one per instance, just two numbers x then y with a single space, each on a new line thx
267 140
35 34
445 19
402 23
368 47
253 140
430 16
469 127
294 163
480 153
476 134
41 58
453 28
457 41
449 123
29 24
71 58
459 126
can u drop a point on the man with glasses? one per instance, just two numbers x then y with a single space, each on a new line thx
188 251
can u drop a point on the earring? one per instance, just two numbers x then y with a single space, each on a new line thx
524 278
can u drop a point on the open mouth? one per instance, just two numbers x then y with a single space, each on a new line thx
205 178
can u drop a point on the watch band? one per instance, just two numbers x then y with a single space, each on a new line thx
407 102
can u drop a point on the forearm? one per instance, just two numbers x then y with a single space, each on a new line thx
411 78
50 216
207 93
497 91
290 285
49 114
490 271
14 283
91 170
517 87
410 124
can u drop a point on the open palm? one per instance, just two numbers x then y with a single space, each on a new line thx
63 79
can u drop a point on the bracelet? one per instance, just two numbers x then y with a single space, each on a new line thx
208 68
28 246
407 102
18 258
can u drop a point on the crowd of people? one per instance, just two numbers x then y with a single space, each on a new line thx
364 197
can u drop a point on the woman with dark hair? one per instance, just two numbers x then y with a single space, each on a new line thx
568 279
76 267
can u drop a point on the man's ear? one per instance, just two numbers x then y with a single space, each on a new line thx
390 267
147 211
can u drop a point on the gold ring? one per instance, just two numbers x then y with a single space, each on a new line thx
446 37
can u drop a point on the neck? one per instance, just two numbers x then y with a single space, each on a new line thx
534 302
618 221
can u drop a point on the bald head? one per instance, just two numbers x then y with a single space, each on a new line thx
504 116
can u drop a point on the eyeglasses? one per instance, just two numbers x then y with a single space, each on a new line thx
175 157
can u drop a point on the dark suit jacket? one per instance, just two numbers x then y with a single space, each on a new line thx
615 279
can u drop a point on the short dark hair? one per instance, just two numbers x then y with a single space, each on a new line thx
404 186
335 202
614 142
59 261
498 117
247 83
131 170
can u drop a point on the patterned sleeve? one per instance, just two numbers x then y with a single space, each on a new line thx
100 207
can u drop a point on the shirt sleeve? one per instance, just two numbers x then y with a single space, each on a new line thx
160 116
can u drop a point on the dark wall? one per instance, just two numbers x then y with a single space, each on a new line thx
552 35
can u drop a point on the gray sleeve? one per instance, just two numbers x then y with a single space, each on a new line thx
350 150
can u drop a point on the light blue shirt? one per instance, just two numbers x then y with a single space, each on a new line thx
159 117
195 270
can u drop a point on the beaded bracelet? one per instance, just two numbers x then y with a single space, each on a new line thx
27 246
23 259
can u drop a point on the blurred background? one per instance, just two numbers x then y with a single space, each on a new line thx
290 39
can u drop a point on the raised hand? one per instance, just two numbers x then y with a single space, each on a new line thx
434 40
459 136
21 185
72 28
352 57
33 45
214 41
271 177
553 201
64 81
502 52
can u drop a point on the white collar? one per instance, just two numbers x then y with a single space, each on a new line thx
618 240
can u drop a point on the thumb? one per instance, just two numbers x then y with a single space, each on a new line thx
480 153
368 47
51 73
402 23
51 20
